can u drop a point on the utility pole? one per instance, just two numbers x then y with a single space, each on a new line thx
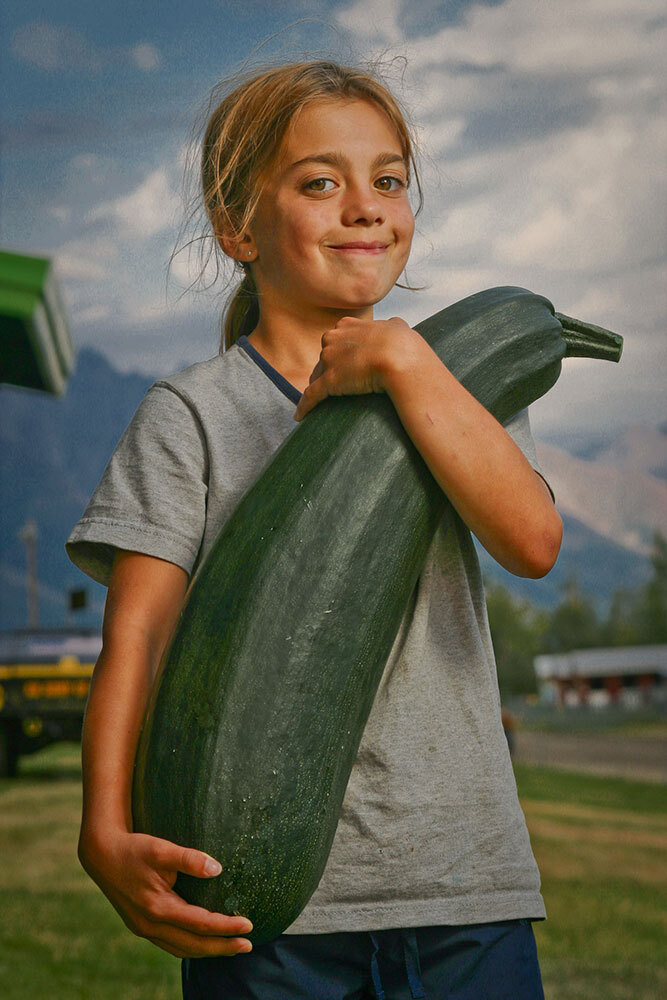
28 535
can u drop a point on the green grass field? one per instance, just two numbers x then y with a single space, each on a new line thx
601 845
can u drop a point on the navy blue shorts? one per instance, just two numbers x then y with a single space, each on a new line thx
496 961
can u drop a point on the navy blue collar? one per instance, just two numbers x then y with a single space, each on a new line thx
285 387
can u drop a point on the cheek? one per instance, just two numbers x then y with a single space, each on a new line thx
301 233
406 221
286 245
404 226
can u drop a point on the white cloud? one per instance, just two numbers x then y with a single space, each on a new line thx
56 48
147 210
609 35
91 314
86 259
583 201
376 19
146 312
85 161
61 213
445 133
145 57
568 36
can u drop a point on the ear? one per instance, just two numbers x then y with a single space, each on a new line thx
241 248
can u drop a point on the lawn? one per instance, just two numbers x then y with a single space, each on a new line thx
601 845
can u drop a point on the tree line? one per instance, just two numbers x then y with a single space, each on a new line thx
520 631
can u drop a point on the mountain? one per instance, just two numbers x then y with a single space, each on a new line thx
618 494
599 566
611 501
54 452
641 450
612 494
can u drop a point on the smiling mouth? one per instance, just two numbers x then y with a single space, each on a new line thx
359 247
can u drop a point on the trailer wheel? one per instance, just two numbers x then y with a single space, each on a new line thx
9 753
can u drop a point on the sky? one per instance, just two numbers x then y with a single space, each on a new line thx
542 135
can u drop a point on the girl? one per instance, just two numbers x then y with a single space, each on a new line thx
431 884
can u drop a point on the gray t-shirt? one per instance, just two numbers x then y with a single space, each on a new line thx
431 830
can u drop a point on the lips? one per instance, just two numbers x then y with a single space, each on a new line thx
360 246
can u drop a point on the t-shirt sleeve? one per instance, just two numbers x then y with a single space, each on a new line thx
518 428
152 495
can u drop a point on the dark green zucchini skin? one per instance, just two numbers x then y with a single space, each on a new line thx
265 687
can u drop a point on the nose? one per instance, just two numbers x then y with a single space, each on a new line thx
363 207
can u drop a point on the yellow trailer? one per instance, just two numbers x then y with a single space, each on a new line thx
44 680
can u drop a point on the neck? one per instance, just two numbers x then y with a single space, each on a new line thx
291 339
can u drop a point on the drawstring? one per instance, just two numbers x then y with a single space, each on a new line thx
412 966
375 972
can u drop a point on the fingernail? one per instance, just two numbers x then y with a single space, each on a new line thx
246 947
246 927
212 867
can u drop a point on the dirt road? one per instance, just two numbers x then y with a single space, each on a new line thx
643 758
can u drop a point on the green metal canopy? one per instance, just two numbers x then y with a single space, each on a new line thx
36 348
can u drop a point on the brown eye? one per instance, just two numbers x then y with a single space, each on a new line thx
318 184
390 183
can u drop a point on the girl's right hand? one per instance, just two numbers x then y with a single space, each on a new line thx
136 873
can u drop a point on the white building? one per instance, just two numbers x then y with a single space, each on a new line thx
631 676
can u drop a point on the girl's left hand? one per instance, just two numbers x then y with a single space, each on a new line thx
354 358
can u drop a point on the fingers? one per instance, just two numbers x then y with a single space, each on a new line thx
175 858
189 931
187 953
183 948
311 396
346 320
186 945
199 921
193 862
316 372
150 918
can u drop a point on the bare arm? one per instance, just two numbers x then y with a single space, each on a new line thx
135 871
143 600
473 459
486 476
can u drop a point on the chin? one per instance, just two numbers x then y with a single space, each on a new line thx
352 305
362 298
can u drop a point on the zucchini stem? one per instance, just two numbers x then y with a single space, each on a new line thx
584 340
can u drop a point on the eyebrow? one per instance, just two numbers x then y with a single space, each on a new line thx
340 160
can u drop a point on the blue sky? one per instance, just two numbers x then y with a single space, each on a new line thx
543 138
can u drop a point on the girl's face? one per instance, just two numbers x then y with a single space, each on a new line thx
333 227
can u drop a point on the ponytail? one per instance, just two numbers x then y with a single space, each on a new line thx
241 314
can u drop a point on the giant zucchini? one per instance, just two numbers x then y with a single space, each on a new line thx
265 687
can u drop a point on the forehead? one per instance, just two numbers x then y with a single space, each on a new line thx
326 124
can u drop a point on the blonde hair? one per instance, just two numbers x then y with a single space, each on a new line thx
243 137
